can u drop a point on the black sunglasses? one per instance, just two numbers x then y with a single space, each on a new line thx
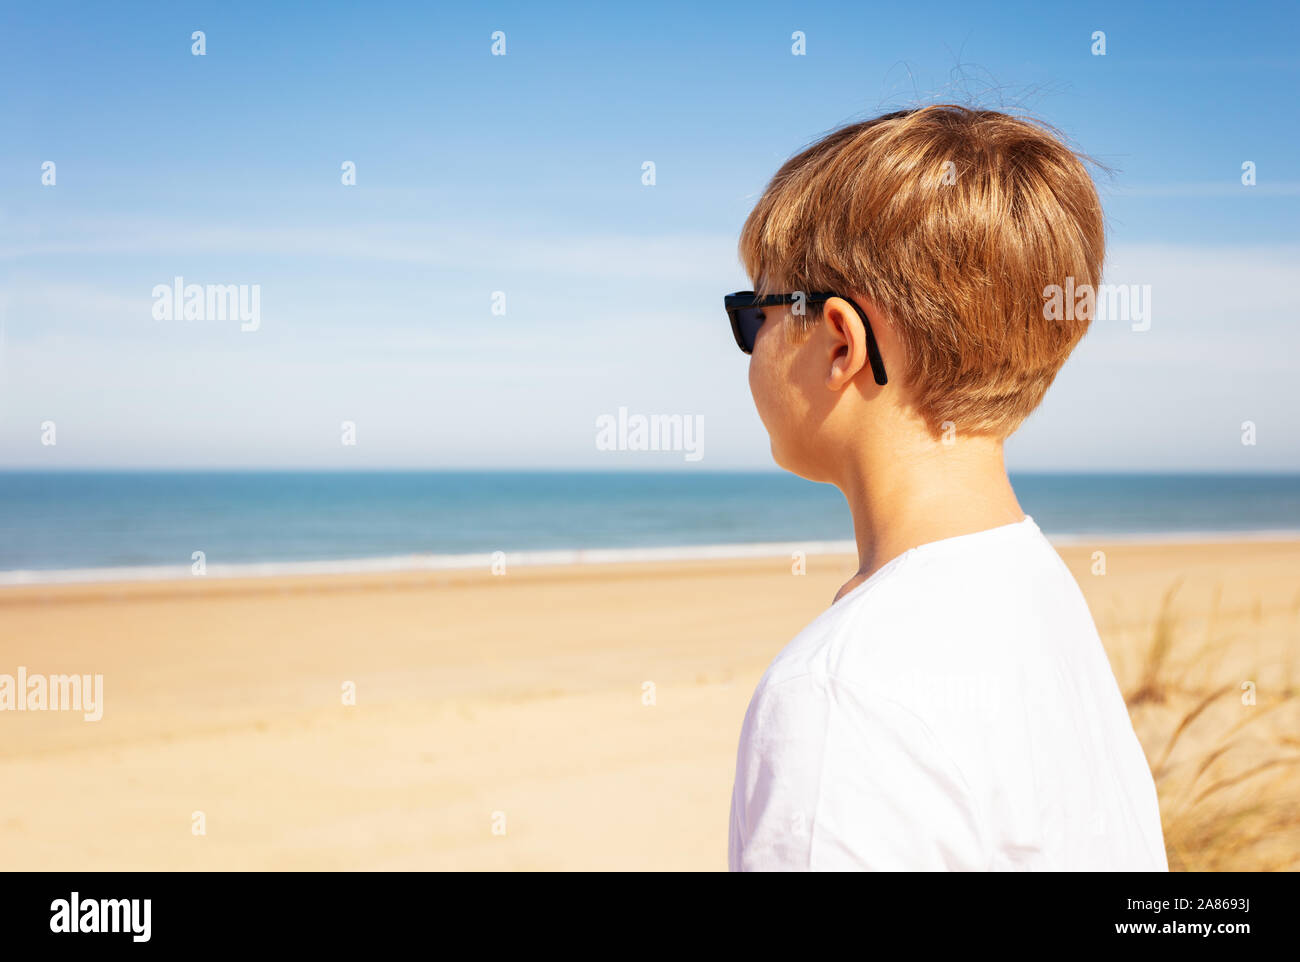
745 309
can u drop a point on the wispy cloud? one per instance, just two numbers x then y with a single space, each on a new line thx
448 246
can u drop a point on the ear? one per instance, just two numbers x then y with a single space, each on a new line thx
842 324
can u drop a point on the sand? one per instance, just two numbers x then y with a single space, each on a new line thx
501 722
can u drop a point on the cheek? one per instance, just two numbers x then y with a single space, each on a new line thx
779 377
764 380
769 382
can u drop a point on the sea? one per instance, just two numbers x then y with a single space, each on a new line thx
111 525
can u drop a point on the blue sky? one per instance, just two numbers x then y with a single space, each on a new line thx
522 174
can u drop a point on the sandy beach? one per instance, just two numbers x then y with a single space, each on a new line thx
580 717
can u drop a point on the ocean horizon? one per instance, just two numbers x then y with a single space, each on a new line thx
88 525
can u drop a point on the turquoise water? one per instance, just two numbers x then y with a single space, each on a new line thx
111 519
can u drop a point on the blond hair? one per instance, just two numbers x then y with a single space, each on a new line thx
955 222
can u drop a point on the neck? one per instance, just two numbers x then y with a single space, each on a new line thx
904 498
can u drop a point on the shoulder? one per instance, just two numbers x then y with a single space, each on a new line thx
851 626
916 614
836 702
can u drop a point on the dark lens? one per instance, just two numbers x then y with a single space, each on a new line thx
748 321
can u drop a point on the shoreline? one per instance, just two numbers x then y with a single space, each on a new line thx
567 557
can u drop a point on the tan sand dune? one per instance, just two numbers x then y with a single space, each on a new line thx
500 722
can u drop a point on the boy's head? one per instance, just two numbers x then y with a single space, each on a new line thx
945 226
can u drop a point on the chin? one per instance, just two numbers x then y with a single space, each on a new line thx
787 460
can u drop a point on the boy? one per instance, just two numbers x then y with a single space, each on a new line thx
953 709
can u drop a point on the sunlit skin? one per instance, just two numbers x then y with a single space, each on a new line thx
829 421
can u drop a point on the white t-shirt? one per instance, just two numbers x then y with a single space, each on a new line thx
955 711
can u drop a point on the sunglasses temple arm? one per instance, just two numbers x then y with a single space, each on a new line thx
873 355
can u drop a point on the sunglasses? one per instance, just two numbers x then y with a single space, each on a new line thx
745 309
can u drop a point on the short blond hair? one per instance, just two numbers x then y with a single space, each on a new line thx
955 222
